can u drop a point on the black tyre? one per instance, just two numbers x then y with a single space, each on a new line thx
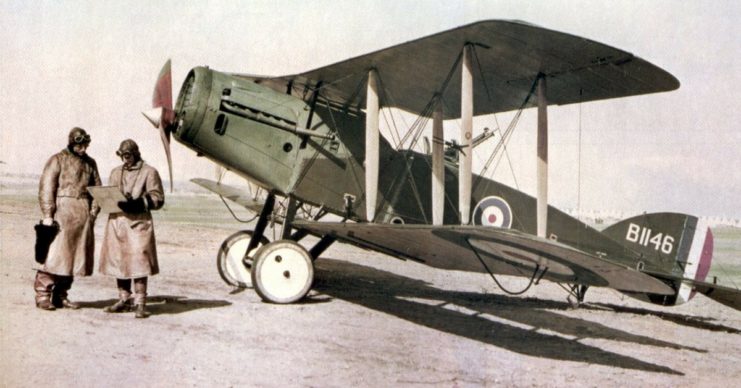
233 269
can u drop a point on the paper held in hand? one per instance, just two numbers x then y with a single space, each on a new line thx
107 197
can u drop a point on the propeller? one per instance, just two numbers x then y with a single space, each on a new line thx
162 116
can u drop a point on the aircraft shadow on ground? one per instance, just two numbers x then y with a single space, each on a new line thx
492 319
165 304
680 319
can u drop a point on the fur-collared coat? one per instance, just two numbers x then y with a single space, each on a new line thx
129 249
63 196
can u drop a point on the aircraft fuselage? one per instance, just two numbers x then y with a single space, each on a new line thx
262 134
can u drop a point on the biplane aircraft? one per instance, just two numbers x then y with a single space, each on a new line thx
312 141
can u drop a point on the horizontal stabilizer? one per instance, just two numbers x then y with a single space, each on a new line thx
728 296
231 193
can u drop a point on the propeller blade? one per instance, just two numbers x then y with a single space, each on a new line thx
162 99
154 116
165 136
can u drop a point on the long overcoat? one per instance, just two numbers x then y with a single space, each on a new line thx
63 196
129 249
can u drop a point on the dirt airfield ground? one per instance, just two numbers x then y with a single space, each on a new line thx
369 321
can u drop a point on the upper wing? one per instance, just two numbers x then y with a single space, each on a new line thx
509 56
504 251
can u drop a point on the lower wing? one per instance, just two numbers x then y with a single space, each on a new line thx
487 249
231 193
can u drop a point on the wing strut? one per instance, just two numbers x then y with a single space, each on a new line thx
371 146
466 157
438 165
542 199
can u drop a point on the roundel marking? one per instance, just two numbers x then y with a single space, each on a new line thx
493 211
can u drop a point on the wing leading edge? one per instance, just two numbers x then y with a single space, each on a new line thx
503 251
509 54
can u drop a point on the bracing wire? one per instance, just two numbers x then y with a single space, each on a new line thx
508 131
509 162
486 267
234 214
431 104
416 127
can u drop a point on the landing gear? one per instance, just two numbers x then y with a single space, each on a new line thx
233 268
578 291
283 272
234 261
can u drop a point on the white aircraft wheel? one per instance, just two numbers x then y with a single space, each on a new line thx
233 269
283 272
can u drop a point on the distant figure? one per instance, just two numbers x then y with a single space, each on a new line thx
64 199
129 250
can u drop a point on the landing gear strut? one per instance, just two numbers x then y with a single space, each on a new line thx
578 291
281 271
235 258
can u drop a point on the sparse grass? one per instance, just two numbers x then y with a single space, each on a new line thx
22 198
206 210
178 209
210 211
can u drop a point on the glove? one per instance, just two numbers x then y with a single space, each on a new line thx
133 206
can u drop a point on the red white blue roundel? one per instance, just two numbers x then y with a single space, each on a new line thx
493 211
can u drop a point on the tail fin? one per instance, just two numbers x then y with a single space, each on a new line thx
671 246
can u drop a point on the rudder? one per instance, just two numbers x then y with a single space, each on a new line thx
678 245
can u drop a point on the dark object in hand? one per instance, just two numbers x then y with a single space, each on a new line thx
133 206
45 234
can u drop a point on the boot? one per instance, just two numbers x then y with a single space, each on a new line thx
43 284
140 297
45 304
59 294
141 311
64 303
123 304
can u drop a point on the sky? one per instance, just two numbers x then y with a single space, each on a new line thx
93 64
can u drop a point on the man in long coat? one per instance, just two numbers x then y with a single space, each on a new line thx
129 251
63 198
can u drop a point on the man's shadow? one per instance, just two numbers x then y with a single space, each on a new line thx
522 325
164 304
